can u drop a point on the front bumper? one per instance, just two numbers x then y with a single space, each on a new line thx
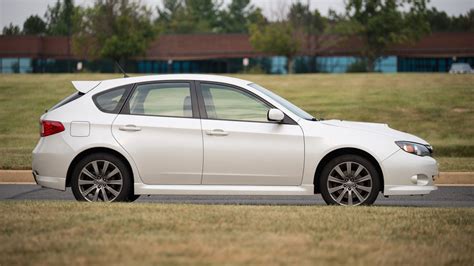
408 174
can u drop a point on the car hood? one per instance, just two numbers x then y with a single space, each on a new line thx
376 128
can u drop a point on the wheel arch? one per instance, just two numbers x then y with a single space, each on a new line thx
345 151
89 151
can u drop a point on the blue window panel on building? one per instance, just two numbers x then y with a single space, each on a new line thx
386 64
340 64
278 65
334 64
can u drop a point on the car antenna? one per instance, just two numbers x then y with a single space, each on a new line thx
121 69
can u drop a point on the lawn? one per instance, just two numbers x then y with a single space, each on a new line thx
59 233
436 107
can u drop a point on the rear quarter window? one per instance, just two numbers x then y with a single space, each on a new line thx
67 100
111 101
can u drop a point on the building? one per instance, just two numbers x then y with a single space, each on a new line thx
225 53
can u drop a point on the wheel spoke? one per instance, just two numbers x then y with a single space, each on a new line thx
334 189
114 182
104 194
113 191
85 193
336 180
339 171
96 168
86 182
112 173
87 173
364 188
104 168
349 197
341 195
96 194
362 179
358 195
359 169
348 166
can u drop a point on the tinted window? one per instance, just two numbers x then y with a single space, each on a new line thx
67 100
112 100
162 99
293 108
228 103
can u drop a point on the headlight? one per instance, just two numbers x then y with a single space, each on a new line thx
415 148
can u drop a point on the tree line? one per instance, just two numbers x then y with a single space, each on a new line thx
121 29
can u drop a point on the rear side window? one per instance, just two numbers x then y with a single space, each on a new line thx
67 100
111 101
162 99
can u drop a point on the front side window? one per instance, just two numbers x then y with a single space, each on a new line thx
227 103
162 99
111 101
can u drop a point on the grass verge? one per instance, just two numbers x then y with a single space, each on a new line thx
57 233
436 107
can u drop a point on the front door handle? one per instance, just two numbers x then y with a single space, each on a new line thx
217 132
131 128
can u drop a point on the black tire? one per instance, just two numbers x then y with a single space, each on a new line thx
133 197
123 194
367 179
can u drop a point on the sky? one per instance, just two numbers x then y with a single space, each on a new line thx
16 11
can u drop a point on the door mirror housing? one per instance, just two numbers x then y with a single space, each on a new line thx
275 115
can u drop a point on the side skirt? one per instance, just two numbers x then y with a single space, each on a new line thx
144 189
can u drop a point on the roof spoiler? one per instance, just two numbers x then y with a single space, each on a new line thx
85 86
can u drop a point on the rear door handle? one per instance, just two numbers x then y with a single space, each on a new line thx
132 128
217 132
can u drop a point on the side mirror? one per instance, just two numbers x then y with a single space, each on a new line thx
275 115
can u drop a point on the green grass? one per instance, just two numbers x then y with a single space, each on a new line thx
58 233
436 107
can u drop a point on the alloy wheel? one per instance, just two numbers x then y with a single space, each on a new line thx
349 183
100 180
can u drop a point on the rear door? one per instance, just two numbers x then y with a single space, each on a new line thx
160 128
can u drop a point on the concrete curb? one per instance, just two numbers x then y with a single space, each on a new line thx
25 176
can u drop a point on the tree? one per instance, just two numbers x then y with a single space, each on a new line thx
238 16
381 24
438 20
276 38
113 29
309 25
34 25
11 30
463 23
188 16
60 18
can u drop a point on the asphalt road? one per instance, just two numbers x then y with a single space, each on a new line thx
443 197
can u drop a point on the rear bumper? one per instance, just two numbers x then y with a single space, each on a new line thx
408 174
58 183
50 160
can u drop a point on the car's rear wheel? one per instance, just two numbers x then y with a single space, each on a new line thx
349 180
102 177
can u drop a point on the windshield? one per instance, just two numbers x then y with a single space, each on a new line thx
293 108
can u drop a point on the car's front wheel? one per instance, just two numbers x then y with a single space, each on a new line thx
349 180
101 177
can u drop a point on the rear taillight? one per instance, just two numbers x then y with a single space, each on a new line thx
49 128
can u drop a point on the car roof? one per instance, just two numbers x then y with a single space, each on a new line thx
110 83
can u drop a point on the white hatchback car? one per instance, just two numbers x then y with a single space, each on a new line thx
117 139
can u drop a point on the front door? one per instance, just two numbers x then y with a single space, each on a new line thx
160 130
241 147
